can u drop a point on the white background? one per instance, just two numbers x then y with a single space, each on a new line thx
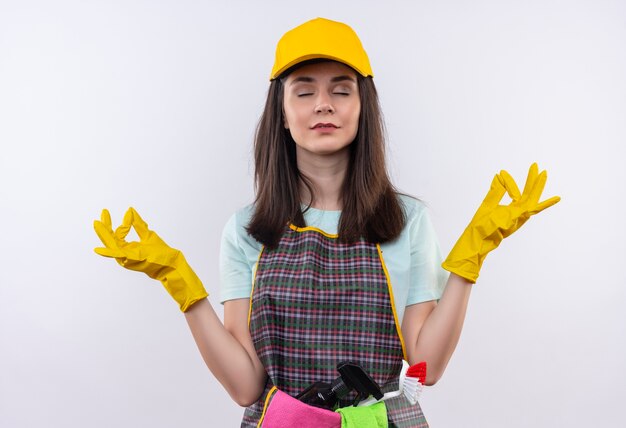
154 104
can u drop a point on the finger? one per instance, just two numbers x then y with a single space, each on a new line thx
141 227
537 190
496 191
122 230
510 185
105 234
533 172
545 204
108 252
105 218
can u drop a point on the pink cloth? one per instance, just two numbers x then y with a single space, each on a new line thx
284 411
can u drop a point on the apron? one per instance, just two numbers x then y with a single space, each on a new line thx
316 302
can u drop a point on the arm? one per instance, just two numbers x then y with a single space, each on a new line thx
227 348
431 330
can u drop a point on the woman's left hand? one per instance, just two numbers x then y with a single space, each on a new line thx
494 222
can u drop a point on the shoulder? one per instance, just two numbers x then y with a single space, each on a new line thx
238 254
239 219
418 227
235 228
413 207
244 213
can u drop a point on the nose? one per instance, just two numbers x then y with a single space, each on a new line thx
324 108
324 105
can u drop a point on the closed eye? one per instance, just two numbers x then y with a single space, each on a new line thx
342 90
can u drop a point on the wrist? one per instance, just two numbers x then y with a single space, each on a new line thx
184 285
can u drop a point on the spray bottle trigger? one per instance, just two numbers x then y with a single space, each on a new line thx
358 379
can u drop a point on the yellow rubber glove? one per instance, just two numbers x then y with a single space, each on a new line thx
494 222
151 256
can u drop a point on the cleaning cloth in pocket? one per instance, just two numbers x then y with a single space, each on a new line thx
374 416
284 411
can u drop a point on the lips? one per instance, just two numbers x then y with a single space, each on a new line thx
325 126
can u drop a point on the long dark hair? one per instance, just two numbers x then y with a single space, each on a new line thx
371 208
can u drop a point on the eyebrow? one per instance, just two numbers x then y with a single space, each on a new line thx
308 79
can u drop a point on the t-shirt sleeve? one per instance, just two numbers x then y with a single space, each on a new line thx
427 277
235 268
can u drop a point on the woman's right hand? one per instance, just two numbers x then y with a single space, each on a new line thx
151 255
228 352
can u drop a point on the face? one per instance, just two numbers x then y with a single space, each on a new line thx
322 106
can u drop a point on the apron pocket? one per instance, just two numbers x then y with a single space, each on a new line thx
283 411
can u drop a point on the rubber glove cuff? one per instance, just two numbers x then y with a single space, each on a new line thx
183 284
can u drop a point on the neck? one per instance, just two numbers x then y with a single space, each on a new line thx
326 174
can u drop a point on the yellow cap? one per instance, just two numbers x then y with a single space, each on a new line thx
321 38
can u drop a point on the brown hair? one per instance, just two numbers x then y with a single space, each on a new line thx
371 208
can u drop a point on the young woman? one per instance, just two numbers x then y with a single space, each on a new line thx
330 263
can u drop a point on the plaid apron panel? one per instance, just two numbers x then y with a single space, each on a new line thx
316 302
